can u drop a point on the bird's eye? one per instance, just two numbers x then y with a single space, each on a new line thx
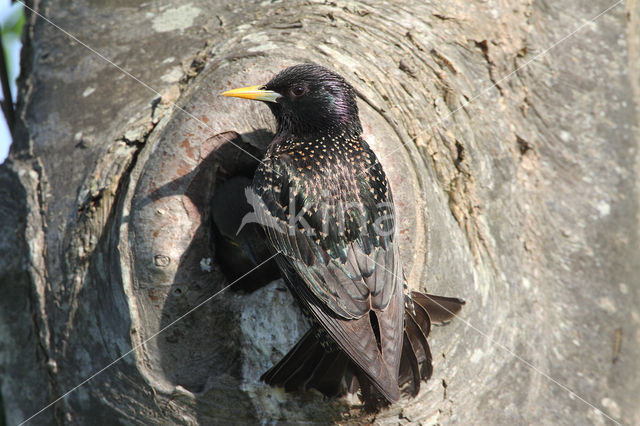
298 91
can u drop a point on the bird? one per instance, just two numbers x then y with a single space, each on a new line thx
326 208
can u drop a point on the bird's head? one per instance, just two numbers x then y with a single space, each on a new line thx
307 99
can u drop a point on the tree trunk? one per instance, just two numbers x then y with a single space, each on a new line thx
512 148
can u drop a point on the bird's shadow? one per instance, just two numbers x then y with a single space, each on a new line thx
203 349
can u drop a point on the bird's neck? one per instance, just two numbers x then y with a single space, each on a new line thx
352 130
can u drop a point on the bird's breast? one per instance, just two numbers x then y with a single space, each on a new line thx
333 161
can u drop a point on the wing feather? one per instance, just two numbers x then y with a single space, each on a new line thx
339 274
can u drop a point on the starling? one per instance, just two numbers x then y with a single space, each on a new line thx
325 204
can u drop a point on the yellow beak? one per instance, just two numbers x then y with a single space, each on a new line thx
255 93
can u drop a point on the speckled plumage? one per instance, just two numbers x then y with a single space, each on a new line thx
326 206
341 200
337 263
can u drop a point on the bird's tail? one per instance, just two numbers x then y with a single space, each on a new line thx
421 311
309 364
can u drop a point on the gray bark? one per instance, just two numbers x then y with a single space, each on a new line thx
515 170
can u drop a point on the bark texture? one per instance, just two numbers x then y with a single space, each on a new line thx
513 156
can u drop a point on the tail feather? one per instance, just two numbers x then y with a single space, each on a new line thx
328 375
309 365
294 360
421 311
417 328
301 375
415 351
409 368
440 309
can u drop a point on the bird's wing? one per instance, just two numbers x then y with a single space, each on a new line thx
345 270
341 244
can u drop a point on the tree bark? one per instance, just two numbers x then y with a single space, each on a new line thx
511 143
